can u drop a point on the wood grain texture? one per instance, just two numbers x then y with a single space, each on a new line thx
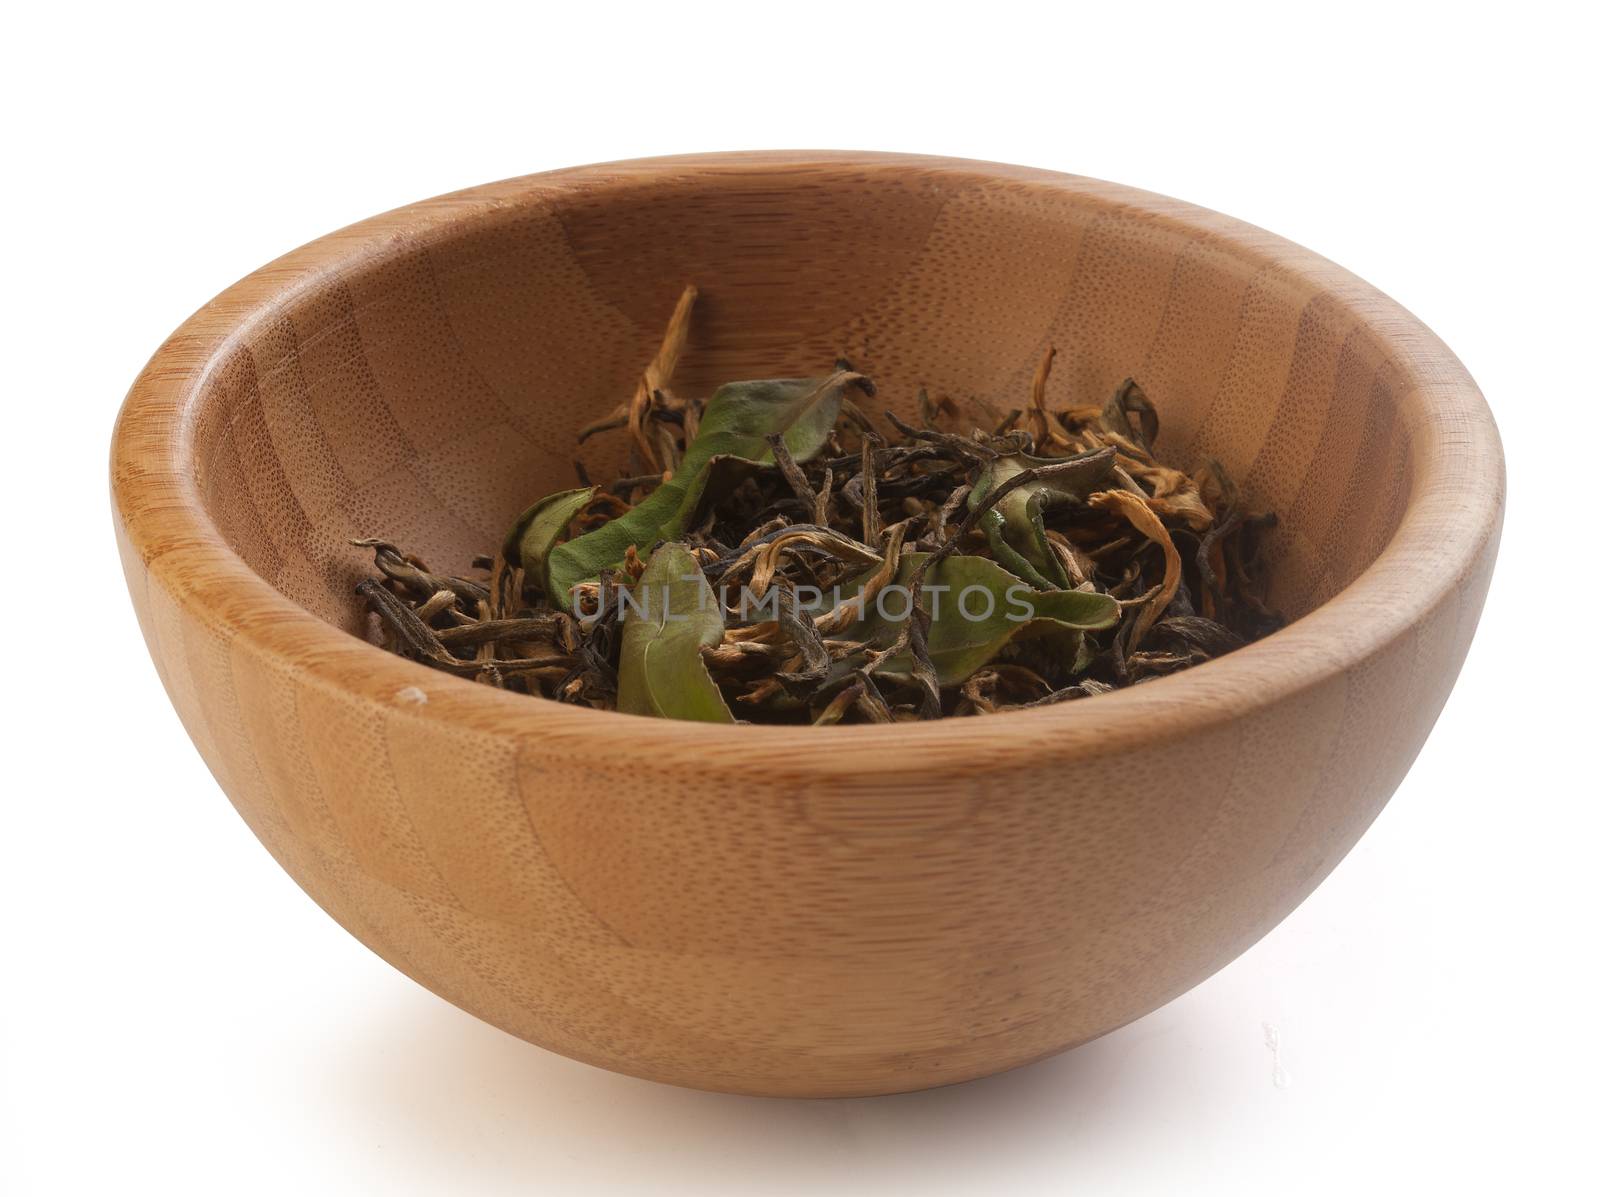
844 910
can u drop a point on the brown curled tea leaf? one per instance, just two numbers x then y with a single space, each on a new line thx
811 663
655 379
1132 507
412 578
1127 404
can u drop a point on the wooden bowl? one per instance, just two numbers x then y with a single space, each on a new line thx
847 910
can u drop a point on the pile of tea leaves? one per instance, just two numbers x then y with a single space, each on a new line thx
777 555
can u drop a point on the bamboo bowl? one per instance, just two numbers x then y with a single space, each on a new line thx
794 911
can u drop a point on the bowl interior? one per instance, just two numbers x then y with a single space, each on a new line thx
434 386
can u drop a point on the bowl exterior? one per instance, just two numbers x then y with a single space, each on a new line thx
851 914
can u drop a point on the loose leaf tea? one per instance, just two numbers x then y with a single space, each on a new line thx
774 555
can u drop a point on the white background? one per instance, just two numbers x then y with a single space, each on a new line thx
178 1016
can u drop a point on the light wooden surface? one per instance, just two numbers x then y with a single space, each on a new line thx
794 911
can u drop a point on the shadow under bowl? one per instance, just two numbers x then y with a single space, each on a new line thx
800 911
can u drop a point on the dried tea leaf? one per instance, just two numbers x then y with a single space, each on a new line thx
976 608
412 578
1015 525
657 375
732 440
1196 633
1130 400
537 529
671 615
1045 426
866 586
1131 505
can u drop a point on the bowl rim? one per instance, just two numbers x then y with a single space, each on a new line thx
1451 520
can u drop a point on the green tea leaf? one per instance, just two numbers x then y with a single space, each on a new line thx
977 609
670 614
731 441
1015 525
537 529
